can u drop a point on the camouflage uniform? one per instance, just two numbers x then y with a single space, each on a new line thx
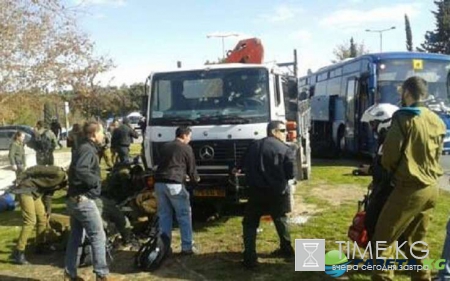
46 157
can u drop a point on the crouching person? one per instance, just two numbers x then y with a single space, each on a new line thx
84 188
31 184
268 165
112 214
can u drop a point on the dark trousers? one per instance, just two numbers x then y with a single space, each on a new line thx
257 207
124 154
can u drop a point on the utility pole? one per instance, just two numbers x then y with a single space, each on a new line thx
380 31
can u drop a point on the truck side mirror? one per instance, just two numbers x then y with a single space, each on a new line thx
144 104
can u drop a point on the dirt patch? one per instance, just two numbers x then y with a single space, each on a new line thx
303 209
336 195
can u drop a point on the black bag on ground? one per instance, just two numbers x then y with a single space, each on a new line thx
152 253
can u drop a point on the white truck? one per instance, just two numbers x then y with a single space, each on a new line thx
227 106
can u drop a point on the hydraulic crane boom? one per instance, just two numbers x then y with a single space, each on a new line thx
247 51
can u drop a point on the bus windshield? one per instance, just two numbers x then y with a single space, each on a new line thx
215 96
392 73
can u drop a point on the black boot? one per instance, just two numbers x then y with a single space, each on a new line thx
18 257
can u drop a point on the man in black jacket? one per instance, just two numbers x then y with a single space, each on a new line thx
268 166
84 188
122 139
177 161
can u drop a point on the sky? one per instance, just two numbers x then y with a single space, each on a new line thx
142 36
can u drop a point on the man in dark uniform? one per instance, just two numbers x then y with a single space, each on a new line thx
122 139
84 189
268 166
411 151
56 128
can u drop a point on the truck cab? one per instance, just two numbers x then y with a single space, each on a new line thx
227 106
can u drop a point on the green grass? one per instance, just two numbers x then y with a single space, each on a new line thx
220 242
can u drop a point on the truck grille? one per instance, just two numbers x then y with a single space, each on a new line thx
224 152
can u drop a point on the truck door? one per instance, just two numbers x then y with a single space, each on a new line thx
277 103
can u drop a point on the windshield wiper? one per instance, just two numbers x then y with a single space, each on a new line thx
180 121
232 119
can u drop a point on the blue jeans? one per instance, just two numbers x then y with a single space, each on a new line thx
85 215
444 274
174 197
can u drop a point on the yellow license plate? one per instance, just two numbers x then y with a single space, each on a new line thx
209 193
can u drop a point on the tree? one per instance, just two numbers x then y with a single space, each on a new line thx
437 41
349 50
42 48
409 43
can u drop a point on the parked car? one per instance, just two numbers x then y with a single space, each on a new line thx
134 118
7 134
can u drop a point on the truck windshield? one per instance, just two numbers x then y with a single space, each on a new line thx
392 73
216 96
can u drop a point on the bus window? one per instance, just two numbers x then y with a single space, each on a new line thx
393 72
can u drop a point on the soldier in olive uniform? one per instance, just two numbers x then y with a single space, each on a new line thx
268 165
17 153
45 157
31 184
411 152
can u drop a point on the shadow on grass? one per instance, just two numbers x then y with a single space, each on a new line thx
347 162
11 218
217 266
9 278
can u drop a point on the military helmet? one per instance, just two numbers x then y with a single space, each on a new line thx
379 116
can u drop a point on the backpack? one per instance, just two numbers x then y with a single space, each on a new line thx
42 142
152 253
7 202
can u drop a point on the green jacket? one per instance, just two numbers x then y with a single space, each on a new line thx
424 132
44 178
16 154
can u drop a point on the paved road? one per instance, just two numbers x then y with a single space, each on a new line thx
7 176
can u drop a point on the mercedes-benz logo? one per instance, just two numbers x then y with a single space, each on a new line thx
206 152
